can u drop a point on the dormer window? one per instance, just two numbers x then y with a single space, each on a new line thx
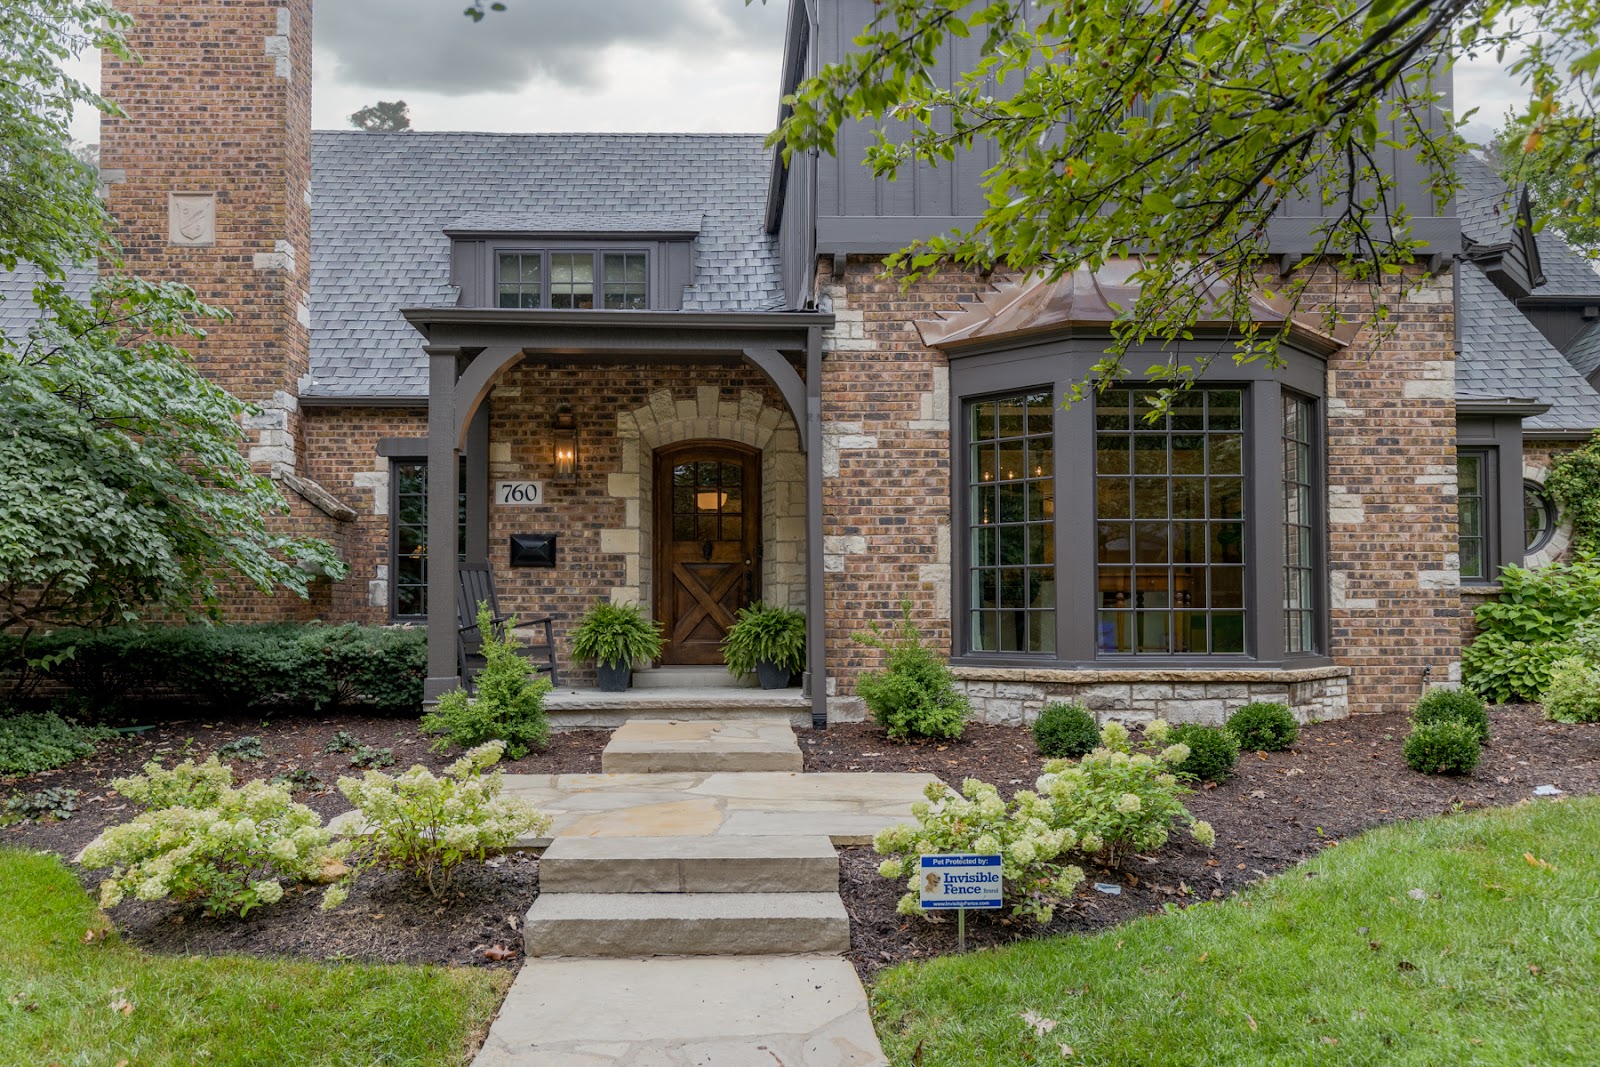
572 280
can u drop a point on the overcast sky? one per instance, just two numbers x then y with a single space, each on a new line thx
694 65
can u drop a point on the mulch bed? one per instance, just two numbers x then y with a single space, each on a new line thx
388 918
1341 778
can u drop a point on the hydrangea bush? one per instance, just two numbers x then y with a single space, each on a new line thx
429 825
201 839
1123 797
1119 799
976 820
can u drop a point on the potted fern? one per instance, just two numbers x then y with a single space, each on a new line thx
615 637
769 640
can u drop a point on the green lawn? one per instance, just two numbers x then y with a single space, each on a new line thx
68 1002
1333 962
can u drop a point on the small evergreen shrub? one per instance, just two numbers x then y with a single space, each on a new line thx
1454 705
200 839
429 825
1065 730
508 705
30 743
1263 727
1574 692
1213 752
914 695
1442 746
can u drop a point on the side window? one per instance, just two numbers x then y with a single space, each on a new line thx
1472 505
408 535
567 280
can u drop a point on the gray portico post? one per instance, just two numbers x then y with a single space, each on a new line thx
816 608
443 435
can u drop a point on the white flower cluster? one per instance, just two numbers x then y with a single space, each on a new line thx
1120 799
429 825
202 839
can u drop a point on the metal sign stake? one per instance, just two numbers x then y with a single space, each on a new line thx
961 929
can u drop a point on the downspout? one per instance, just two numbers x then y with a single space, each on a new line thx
816 626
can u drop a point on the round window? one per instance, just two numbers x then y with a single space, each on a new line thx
1538 516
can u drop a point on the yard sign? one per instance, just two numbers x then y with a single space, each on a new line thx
959 881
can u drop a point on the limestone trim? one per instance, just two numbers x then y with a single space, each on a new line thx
668 419
1134 676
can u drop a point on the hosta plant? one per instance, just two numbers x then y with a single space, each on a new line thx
1035 876
430 825
203 840
1124 797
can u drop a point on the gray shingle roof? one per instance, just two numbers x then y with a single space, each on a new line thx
1488 212
1566 273
1583 352
17 309
1504 355
381 203
577 222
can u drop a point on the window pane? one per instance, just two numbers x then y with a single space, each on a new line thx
1012 523
572 280
1470 503
624 274
518 284
1538 517
1186 540
408 533
1299 607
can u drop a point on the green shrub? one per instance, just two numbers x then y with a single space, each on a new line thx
237 667
914 695
1574 692
508 705
765 634
1212 753
365 756
343 741
1065 730
248 747
1586 639
1454 705
30 743
1444 746
429 826
202 840
1527 627
1263 727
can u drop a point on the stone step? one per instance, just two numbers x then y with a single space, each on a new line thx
693 678
689 865
654 746
733 1011
685 924
587 709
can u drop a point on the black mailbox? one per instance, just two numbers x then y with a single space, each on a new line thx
533 550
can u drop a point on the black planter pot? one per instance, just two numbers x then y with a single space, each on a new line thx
773 676
614 679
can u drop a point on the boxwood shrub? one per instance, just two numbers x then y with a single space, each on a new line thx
1442 746
1065 730
1212 752
1263 727
1454 705
235 667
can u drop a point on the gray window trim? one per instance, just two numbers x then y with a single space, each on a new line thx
1500 438
1552 515
1060 364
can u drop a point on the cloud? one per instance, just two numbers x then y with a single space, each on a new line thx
429 46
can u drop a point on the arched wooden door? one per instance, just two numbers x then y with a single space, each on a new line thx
707 544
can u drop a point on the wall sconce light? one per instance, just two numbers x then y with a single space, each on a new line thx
566 444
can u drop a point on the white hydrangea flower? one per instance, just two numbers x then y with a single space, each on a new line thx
1203 833
986 843
1091 842
334 895
1156 731
1129 803
110 893
1175 754
892 869
268 891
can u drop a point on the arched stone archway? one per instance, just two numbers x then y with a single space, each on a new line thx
669 418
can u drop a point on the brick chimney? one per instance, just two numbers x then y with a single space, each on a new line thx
209 179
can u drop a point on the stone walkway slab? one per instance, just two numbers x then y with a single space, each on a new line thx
749 743
769 1011
846 807
685 924
719 864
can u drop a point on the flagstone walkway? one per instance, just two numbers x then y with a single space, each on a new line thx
691 917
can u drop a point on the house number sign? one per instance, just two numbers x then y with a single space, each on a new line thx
519 494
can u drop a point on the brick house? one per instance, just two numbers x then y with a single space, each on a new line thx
665 368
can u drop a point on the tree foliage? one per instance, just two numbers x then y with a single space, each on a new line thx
1560 180
1176 131
122 481
385 116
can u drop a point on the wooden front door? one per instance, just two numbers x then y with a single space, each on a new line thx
707 539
